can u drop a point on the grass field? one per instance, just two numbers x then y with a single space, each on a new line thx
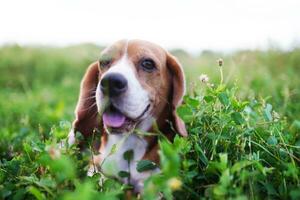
243 143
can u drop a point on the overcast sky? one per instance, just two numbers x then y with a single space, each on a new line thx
191 24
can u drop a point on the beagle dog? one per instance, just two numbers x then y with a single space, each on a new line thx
134 84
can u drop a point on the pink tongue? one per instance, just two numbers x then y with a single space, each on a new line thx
113 119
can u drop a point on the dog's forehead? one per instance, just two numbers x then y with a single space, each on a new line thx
135 49
144 48
115 50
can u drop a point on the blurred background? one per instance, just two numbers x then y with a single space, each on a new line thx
45 47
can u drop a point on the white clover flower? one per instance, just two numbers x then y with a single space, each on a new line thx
204 78
220 62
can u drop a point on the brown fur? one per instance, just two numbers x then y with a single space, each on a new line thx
165 86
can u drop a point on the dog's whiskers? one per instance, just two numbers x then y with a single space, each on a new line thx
91 106
92 89
90 97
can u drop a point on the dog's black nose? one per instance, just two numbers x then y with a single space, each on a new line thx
113 84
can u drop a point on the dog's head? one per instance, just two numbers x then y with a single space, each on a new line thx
133 83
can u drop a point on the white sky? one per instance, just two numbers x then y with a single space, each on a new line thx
190 24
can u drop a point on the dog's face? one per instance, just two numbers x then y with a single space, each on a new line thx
134 84
135 81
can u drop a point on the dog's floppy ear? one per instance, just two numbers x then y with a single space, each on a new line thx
178 91
86 110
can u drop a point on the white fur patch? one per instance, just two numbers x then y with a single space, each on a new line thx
113 163
71 137
146 123
135 100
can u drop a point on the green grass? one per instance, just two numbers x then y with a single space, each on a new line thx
243 143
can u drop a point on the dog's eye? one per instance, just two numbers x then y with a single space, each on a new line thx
105 63
148 65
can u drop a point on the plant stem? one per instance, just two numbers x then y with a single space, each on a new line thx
221 73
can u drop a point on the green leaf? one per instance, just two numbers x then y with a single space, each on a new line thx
223 158
88 191
27 147
224 98
296 124
128 155
295 194
237 118
63 167
186 113
201 154
79 136
240 165
144 165
267 112
208 98
19 194
180 143
270 189
192 102
65 125
123 174
36 193
272 140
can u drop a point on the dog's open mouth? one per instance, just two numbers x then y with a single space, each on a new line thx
112 117
117 122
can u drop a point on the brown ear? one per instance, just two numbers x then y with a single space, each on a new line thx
178 91
86 110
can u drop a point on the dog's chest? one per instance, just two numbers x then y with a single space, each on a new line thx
113 160
113 154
